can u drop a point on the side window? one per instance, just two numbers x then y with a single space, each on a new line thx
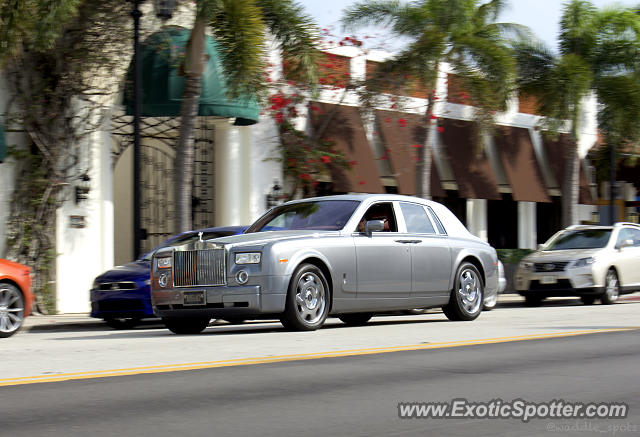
380 211
416 219
629 234
437 221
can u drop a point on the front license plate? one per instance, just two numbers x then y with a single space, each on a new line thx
548 280
194 298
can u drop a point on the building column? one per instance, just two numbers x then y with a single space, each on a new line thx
477 218
232 175
527 233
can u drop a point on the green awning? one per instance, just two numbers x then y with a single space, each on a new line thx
161 55
3 145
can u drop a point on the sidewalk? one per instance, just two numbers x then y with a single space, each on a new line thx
82 321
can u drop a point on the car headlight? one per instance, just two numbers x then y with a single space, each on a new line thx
164 262
526 265
583 262
248 258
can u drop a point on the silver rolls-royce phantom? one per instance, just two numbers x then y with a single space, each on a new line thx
350 256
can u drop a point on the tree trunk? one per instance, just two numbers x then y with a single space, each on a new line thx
571 185
423 164
193 67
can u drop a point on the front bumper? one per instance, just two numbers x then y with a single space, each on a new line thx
222 301
569 282
121 303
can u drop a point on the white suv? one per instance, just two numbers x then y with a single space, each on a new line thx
593 262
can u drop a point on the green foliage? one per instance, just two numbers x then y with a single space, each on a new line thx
512 256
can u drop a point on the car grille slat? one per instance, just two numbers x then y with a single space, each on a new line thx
199 267
558 266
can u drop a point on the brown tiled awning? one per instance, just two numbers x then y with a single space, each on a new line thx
473 172
520 164
403 134
556 151
344 127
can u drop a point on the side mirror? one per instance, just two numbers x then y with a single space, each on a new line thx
373 226
624 243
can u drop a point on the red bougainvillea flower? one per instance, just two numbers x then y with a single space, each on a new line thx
352 163
433 117
402 122
305 176
416 146
326 159
440 129
279 117
314 108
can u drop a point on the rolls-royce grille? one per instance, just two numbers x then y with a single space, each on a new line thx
199 267
551 266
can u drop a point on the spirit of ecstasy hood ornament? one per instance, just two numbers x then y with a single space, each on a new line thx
200 237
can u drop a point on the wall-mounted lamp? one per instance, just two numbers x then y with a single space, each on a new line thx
595 216
275 196
82 188
164 8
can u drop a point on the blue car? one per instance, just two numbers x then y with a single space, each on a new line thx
121 295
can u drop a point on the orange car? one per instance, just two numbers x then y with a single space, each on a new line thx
16 297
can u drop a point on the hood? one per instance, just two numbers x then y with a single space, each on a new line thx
269 236
561 255
133 271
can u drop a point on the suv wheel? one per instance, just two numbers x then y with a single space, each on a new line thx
612 288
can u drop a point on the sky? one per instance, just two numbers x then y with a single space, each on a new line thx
541 16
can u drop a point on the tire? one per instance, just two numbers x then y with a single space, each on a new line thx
612 288
11 310
355 319
533 301
308 297
184 325
467 294
490 304
235 320
122 322
588 300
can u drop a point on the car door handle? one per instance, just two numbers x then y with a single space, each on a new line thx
409 241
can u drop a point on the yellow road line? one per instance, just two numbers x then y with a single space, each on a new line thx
294 357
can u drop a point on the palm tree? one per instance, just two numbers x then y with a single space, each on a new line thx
598 54
462 33
240 27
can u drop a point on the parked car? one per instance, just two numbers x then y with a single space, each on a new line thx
16 298
348 255
121 296
593 262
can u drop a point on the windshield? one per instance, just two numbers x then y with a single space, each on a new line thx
185 238
581 239
320 215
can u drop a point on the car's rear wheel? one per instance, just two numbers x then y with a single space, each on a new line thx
307 303
186 325
11 310
612 288
588 300
467 294
533 301
122 322
356 319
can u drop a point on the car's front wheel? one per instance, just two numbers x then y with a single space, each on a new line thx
186 325
467 294
612 288
307 303
11 310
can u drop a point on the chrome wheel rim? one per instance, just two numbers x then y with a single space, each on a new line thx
612 290
11 310
310 298
470 291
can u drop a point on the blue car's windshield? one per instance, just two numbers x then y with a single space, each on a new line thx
580 239
316 215
185 238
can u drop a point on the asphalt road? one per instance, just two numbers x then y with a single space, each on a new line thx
342 381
